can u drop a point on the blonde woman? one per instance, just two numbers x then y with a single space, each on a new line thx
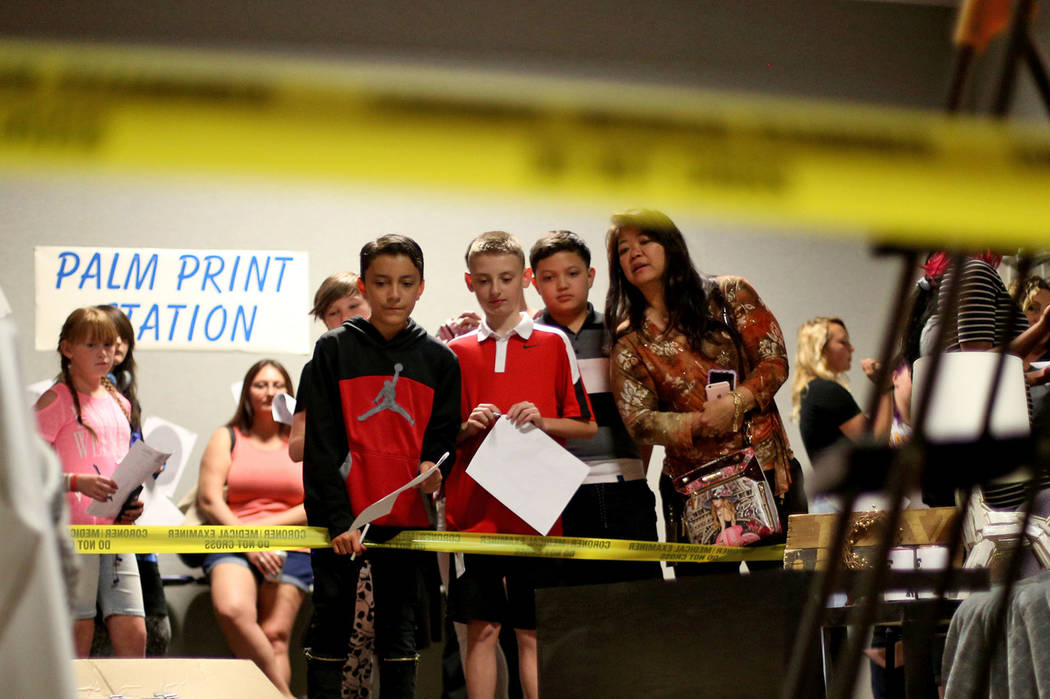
823 405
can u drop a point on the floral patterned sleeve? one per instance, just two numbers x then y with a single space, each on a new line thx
637 400
761 336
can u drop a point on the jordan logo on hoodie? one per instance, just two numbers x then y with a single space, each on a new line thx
386 399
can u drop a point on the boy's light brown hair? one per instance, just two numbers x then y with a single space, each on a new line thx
339 285
495 243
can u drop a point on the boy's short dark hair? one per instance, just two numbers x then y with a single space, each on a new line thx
392 245
559 241
495 243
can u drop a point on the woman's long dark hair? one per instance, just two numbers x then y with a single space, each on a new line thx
686 291
243 417
125 372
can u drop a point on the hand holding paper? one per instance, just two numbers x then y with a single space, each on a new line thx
140 463
529 472
349 541
283 408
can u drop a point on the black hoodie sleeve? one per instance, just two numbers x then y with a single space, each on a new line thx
440 435
327 502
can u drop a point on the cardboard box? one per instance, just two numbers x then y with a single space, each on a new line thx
186 678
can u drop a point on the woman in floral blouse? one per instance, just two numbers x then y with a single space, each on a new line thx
672 326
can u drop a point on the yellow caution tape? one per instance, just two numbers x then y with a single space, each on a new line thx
99 538
576 548
904 176
125 539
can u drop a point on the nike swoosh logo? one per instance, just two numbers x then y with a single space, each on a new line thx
528 346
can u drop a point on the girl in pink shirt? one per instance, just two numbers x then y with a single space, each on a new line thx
86 420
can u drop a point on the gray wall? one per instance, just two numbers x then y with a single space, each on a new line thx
798 275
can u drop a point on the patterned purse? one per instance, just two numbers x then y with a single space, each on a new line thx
728 502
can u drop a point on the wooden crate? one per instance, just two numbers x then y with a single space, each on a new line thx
809 536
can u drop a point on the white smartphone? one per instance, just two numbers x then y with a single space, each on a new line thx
717 390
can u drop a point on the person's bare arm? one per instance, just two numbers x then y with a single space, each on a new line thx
297 437
215 467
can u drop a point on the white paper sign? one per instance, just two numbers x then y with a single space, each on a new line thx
158 508
140 463
529 472
383 505
174 439
248 300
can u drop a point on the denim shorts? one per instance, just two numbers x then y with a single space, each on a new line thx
296 571
110 580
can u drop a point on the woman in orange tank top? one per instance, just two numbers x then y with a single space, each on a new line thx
256 595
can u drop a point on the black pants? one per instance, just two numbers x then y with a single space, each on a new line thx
621 510
399 584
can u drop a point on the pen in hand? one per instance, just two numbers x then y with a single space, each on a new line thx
95 466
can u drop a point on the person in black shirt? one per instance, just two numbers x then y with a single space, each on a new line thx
823 405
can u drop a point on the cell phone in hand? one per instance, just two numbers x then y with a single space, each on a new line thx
717 390
715 376
132 497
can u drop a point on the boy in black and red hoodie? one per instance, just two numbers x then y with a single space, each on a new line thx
383 406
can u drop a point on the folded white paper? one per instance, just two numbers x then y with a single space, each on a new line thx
283 408
529 472
140 463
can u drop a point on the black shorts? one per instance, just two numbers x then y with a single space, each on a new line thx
500 589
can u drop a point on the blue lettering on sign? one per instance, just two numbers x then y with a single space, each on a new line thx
233 274
112 269
69 264
152 322
128 308
193 322
210 274
260 279
213 336
93 269
183 274
140 277
175 318
63 270
240 316
284 262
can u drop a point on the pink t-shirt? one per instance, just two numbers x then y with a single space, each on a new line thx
262 482
78 450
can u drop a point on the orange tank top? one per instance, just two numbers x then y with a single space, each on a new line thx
262 482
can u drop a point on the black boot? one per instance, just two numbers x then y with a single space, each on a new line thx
324 678
397 678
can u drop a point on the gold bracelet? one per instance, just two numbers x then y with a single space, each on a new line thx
738 409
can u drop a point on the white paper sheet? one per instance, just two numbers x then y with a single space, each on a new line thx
528 472
283 408
383 505
140 463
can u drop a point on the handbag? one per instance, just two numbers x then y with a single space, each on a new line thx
728 502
